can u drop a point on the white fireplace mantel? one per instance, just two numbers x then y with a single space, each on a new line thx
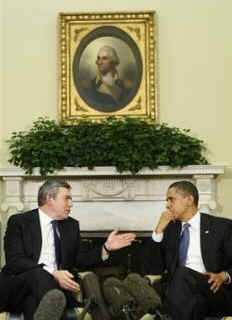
111 171
104 199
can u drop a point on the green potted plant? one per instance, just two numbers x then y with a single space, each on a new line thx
128 144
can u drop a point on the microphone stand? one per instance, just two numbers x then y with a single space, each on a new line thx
91 302
128 263
129 311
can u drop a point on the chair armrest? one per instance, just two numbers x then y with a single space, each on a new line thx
148 316
3 316
153 278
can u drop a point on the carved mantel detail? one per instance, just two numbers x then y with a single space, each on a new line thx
107 189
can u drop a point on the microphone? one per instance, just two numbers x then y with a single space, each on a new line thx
121 303
51 306
146 297
90 286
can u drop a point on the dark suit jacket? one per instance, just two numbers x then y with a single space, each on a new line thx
23 244
216 246
105 102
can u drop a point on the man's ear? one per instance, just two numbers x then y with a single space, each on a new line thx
49 198
190 199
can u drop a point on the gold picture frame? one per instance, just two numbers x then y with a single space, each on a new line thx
86 39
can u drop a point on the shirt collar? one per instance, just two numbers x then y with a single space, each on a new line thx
194 221
112 75
44 218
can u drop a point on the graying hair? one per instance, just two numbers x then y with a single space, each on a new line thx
50 188
111 53
186 188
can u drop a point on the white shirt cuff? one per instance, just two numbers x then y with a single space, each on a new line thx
49 269
157 237
228 281
105 255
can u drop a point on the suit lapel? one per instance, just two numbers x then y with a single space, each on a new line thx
63 229
176 238
205 236
35 230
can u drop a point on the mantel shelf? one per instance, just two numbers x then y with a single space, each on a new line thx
111 171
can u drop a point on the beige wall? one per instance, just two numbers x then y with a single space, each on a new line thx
1 73
195 69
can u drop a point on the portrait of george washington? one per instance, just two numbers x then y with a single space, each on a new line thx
107 69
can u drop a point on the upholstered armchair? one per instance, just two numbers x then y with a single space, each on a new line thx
157 278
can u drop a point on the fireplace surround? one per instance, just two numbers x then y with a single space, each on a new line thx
104 199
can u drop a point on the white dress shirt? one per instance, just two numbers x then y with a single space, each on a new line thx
194 258
47 254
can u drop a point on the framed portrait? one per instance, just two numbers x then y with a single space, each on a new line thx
107 65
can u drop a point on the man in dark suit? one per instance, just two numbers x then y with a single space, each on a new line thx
195 249
35 264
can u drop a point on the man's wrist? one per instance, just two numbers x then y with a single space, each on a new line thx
49 269
106 247
158 230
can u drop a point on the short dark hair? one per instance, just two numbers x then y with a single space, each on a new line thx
186 188
51 188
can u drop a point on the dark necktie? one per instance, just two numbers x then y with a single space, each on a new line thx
56 242
184 244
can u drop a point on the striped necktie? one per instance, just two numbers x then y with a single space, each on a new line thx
56 242
184 244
